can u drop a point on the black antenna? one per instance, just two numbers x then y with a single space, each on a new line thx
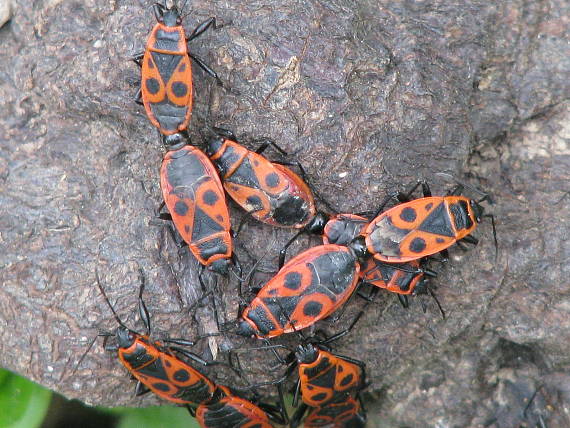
466 185
431 293
143 311
108 302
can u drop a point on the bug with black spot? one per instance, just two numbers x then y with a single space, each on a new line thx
325 377
422 227
308 288
154 364
269 191
166 70
195 199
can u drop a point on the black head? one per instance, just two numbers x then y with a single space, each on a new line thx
478 210
174 141
245 329
167 16
306 354
317 225
358 246
213 145
125 337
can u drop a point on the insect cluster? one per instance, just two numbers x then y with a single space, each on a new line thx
387 250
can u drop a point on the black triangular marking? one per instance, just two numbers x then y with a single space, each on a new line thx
166 64
204 225
245 175
281 308
438 222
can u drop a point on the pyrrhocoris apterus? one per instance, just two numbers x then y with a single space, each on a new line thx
166 75
195 199
268 191
307 289
421 227
226 410
325 377
154 365
166 81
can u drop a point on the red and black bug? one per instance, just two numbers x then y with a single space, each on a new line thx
425 226
348 413
166 81
195 199
310 287
227 410
154 364
325 377
268 191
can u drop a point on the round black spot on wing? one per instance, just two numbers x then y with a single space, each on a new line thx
439 240
210 198
167 363
181 208
319 397
255 203
179 89
187 228
272 180
408 214
347 380
417 245
312 308
161 386
152 85
220 218
428 206
181 375
293 280
150 63
182 67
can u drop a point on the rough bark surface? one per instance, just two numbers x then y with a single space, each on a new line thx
370 96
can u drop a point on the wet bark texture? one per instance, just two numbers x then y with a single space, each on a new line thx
370 96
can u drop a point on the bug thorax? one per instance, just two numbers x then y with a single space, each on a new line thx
125 337
174 141
477 209
168 17
306 354
318 223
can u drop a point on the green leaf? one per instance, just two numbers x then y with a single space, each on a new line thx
24 404
155 417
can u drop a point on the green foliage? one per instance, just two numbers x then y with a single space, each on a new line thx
154 417
24 404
